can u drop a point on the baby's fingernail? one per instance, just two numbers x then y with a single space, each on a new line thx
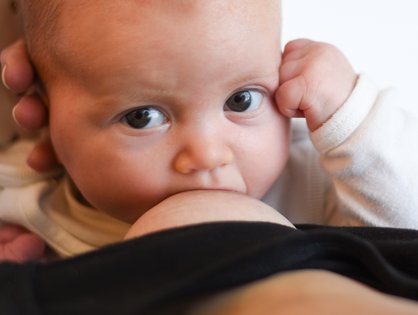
3 77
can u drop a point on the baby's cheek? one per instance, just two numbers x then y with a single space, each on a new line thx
124 196
261 176
270 164
265 182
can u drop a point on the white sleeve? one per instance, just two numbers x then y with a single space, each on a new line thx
369 148
17 180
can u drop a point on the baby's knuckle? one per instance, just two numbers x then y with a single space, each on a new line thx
325 50
285 70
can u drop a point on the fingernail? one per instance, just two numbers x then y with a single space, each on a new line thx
3 77
14 116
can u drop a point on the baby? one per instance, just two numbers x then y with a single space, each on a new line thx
149 100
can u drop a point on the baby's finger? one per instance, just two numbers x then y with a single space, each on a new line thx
17 71
295 48
30 113
289 97
289 70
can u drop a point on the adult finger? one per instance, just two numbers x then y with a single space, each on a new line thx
30 113
43 158
27 247
19 245
17 71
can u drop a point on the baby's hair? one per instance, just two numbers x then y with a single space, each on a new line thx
39 20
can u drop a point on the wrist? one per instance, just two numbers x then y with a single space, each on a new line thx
348 117
330 103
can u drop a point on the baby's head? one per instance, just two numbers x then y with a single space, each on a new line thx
149 98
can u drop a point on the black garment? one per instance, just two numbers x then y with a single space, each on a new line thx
161 273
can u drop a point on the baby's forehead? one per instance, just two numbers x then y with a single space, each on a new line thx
102 19
89 33
161 7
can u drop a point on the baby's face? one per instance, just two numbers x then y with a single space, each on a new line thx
160 97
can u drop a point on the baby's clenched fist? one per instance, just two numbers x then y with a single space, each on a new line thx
315 80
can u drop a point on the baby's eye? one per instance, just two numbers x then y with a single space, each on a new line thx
146 117
244 101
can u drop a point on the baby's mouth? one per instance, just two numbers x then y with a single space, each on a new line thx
225 180
215 189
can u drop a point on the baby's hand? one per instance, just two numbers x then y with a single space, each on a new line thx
315 80
20 245
29 112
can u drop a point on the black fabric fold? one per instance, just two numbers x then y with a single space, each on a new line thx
171 269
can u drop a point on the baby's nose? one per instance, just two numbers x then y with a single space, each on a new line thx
203 153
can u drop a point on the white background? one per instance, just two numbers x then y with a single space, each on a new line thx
379 37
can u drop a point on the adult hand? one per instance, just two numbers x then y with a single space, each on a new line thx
315 80
30 112
20 245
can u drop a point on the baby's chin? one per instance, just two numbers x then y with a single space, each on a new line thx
203 206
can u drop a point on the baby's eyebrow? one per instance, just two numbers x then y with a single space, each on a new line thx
146 94
155 94
249 77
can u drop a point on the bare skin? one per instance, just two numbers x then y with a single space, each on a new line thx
294 293
19 245
305 292
200 206
305 64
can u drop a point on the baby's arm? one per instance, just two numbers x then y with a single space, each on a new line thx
365 139
315 80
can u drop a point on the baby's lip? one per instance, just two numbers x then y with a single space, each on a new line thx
222 189
213 182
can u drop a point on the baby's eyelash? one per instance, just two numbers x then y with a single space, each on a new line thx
144 118
244 101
